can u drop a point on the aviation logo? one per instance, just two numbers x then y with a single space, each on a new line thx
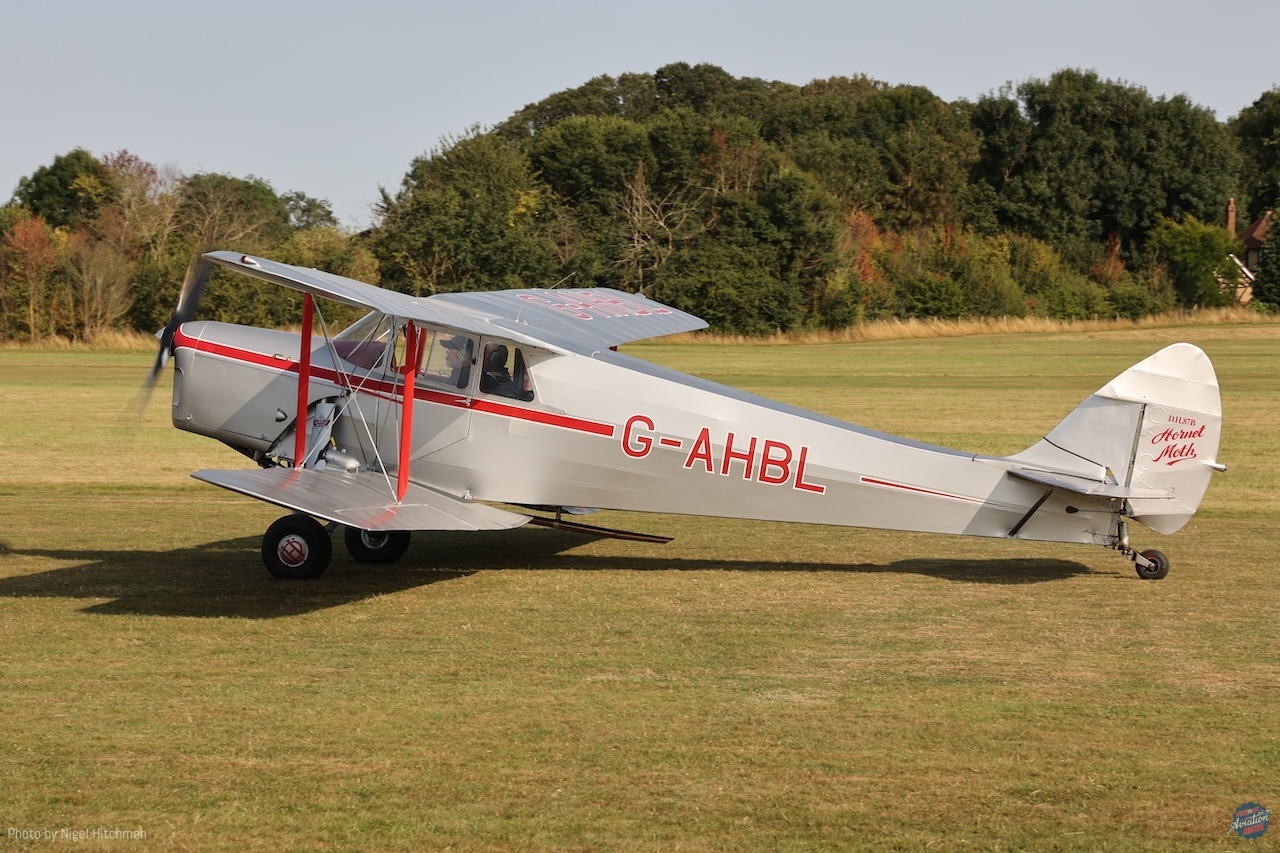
1178 445
1250 821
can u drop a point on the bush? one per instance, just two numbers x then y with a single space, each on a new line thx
933 296
1073 298
1130 300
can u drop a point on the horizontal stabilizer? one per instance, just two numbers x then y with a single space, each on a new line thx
361 500
1084 485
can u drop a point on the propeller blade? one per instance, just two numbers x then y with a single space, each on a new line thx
193 285
198 272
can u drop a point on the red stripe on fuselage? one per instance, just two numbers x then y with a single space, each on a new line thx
872 481
391 390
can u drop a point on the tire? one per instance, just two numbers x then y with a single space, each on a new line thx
375 546
296 547
1157 571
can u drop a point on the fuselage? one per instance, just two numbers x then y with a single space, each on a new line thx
613 432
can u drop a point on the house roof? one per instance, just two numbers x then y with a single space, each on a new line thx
1253 236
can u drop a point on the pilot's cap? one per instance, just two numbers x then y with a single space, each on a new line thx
459 343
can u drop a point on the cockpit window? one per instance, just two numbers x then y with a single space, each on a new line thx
376 339
503 372
447 359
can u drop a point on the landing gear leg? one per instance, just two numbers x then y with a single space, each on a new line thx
376 546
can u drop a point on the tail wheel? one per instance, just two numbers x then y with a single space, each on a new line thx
296 547
376 546
1159 565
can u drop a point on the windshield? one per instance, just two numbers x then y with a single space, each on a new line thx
364 341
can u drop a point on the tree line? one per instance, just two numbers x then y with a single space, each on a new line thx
760 206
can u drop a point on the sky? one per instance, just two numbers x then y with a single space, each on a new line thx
336 99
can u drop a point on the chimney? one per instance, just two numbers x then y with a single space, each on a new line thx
1231 216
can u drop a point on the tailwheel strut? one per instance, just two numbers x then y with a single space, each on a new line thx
1151 564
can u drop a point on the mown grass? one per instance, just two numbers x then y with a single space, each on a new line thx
747 686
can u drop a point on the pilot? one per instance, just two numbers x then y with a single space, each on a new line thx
457 353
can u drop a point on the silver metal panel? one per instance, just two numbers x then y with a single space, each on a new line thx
362 500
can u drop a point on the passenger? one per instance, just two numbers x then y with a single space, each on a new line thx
496 379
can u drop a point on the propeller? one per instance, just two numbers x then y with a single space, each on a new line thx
198 272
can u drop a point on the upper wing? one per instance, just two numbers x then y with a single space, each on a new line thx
580 320
583 320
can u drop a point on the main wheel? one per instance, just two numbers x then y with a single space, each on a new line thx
1158 569
376 546
296 547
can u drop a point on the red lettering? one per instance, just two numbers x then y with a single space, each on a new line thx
1177 435
589 304
637 446
701 450
770 462
730 454
539 299
776 463
1176 453
800 483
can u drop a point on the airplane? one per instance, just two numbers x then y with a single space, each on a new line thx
491 410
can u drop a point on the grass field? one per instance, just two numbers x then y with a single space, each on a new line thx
747 686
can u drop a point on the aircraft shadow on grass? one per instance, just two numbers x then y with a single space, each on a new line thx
226 579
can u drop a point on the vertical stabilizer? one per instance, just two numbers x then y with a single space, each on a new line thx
1154 427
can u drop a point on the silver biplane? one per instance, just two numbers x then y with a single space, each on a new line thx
428 411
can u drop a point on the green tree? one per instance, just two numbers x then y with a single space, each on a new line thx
1257 132
11 214
469 216
984 274
1266 288
222 211
709 89
899 152
803 232
630 96
66 192
680 142
307 212
1195 255
1076 158
588 160
734 287
653 225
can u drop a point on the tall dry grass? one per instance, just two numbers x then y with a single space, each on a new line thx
899 329
110 341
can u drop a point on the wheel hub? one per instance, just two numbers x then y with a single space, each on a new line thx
292 550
